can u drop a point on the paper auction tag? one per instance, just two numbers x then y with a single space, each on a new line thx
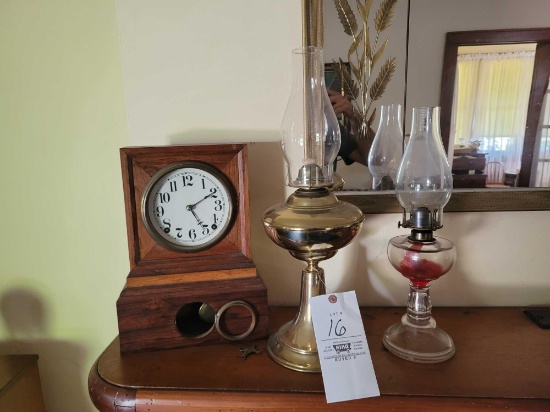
346 364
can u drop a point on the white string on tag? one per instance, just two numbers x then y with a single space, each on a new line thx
323 282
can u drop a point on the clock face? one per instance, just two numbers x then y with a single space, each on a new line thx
188 206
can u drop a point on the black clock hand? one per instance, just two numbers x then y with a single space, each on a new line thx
202 200
191 209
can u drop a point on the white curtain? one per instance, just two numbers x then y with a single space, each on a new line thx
491 99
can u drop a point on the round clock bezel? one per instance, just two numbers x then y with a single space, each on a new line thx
189 164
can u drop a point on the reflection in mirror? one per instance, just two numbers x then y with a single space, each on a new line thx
494 86
429 22
386 45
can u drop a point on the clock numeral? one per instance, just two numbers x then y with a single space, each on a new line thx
178 234
168 225
173 187
212 191
215 224
160 211
218 206
192 234
164 197
187 180
203 184
205 230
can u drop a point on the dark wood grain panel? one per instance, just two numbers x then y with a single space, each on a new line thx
147 313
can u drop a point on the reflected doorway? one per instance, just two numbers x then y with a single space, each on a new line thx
491 97
500 135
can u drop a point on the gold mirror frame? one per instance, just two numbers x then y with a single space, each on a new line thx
462 200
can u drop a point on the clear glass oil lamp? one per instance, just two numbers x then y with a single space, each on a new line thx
424 185
312 224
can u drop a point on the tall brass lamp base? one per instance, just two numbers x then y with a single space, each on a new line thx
312 225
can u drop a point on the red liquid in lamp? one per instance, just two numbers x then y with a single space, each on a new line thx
419 271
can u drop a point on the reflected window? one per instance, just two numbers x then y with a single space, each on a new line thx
540 176
492 91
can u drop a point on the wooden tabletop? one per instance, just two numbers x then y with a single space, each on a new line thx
502 360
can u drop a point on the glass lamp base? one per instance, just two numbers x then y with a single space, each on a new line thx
424 344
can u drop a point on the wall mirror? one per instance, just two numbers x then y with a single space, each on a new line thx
419 39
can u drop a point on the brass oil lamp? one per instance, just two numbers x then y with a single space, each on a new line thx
312 224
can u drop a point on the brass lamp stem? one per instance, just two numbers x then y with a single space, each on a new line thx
313 284
294 346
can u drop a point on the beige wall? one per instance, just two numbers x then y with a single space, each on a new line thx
68 101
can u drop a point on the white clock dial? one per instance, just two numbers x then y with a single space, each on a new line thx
188 206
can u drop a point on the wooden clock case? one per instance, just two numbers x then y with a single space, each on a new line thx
158 307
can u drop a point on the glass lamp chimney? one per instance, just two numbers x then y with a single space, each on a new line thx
387 148
310 130
424 179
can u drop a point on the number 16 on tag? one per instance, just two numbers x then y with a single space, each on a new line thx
346 364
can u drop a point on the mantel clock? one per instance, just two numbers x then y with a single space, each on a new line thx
192 280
